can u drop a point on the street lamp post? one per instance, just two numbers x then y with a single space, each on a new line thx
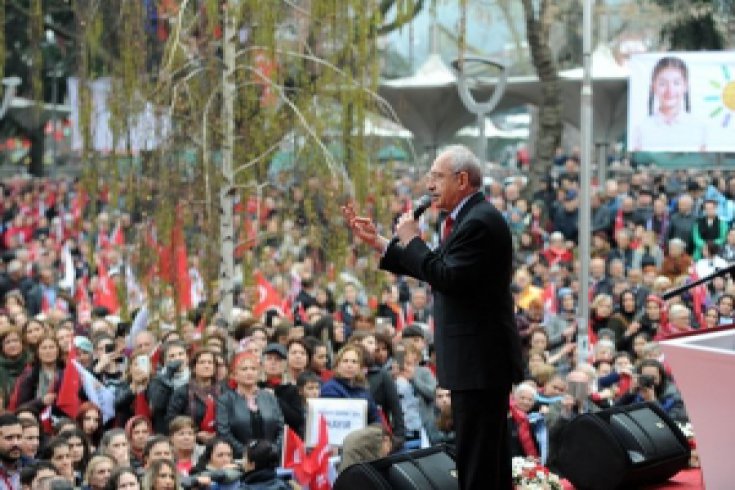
480 109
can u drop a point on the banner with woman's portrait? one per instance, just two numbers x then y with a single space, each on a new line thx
682 102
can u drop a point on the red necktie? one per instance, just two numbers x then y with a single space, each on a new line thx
448 223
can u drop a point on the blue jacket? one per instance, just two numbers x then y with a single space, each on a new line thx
340 388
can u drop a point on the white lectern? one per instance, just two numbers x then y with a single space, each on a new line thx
703 365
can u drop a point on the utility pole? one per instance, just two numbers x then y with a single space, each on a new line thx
584 186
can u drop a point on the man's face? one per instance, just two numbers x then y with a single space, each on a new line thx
597 268
30 442
61 459
710 210
444 184
524 399
11 437
176 354
162 450
144 342
273 364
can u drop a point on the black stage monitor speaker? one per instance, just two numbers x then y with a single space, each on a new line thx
426 469
622 448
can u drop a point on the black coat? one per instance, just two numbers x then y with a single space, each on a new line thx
384 392
184 402
476 339
234 420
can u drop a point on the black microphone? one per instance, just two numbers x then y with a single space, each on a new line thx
421 205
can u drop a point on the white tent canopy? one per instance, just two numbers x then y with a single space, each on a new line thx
428 104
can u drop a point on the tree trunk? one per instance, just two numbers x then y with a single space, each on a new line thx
37 138
227 191
550 110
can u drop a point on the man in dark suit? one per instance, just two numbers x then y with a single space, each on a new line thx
477 344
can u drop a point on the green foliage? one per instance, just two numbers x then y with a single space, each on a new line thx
693 24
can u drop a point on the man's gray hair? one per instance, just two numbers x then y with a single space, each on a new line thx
462 159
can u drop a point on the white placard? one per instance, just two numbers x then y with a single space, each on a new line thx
682 102
343 415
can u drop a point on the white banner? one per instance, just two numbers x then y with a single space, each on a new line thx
343 415
682 102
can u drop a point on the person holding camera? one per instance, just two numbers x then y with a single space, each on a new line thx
652 384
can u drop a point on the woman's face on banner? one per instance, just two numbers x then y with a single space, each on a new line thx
669 88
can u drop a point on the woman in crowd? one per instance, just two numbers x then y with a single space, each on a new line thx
79 450
438 419
654 315
638 345
161 475
115 444
297 360
97 473
89 420
13 359
319 359
601 310
624 322
197 397
174 374
138 430
123 479
32 331
218 457
248 412
39 383
349 380
183 439
260 467
58 453
711 317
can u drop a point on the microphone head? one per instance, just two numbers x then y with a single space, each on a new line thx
421 205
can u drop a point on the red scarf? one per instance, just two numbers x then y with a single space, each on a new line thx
140 406
207 424
525 436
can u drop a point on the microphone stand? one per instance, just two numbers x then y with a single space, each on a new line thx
730 269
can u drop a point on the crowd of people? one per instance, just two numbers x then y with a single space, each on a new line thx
202 400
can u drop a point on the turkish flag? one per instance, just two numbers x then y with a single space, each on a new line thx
173 265
207 424
268 297
319 459
550 298
106 293
68 398
294 456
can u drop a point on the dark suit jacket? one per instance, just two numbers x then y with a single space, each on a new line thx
476 339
